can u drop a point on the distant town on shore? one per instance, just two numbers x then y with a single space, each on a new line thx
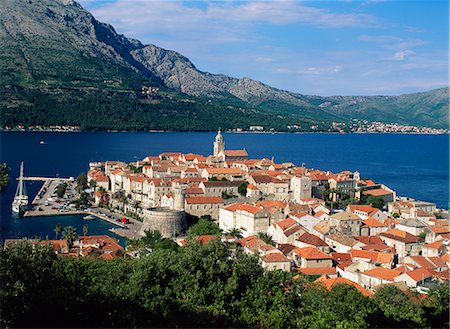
335 127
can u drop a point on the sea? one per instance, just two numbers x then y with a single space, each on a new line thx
414 165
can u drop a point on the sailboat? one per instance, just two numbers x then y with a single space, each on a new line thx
20 202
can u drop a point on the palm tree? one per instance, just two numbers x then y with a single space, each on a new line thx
235 233
85 229
70 235
136 206
57 230
267 238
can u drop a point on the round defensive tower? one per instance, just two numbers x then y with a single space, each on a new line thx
169 222
179 197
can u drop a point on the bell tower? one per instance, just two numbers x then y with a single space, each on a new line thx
219 145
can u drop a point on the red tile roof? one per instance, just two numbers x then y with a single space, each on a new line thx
329 283
400 235
419 274
370 239
317 270
275 257
286 223
372 222
236 153
377 192
341 257
312 239
204 200
311 253
243 207
204 239
383 273
373 256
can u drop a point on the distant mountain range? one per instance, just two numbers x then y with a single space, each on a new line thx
59 65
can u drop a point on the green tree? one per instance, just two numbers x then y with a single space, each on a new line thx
83 201
267 238
395 215
82 183
4 175
85 229
242 189
399 307
70 235
57 230
204 227
150 238
93 184
375 201
235 233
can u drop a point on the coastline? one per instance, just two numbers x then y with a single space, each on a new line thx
2 130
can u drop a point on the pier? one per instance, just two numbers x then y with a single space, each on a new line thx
44 179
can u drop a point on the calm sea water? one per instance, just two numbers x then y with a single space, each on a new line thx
413 165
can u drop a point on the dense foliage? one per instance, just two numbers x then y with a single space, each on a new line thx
114 110
4 175
196 286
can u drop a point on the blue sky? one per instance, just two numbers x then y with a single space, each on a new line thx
311 47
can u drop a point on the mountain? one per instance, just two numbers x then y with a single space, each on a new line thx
57 59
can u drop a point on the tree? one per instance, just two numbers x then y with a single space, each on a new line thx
395 215
235 233
57 230
267 238
82 183
70 235
85 229
124 201
83 201
398 306
4 175
136 206
93 184
375 201
204 227
242 189
150 238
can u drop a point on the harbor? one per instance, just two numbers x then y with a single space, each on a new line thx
47 203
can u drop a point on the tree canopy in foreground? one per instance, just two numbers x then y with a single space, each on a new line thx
195 286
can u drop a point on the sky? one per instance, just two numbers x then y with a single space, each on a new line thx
311 47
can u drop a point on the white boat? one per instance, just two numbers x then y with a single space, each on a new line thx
20 202
42 142
89 217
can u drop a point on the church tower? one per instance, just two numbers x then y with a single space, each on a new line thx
219 145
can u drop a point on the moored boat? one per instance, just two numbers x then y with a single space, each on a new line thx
20 202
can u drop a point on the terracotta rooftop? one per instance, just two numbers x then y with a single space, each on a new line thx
373 256
372 222
400 235
383 273
329 283
275 257
311 253
203 199
419 274
377 192
312 239
317 270
243 207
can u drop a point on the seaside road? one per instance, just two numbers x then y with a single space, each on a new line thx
129 231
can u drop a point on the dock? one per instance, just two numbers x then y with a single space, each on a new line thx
44 179
45 205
